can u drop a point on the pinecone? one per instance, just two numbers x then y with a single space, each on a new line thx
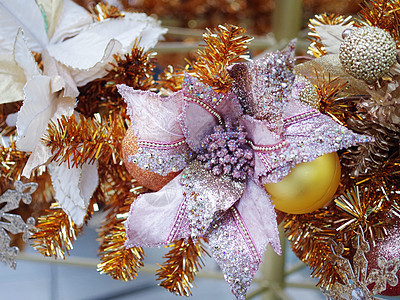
370 156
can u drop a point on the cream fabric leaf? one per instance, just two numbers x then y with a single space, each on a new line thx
73 19
12 80
87 48
40 156
40 106
82 77
23 14
53 69
331 36
24 58
74 187
52 10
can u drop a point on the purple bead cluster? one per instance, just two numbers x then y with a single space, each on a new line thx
225 152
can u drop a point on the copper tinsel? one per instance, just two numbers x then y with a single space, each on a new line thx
183 262
86 139
225 46
100 95
104 11
383 14
120 191
316 48
55 233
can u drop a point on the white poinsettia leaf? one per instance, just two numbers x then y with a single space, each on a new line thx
331 36
82 77
12 80
40 156
23 56
23 14
58 71
74 187
40 106
52 10
88 48
72 20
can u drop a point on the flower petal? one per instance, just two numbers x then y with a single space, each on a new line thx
23 14
40 106
233 251
74 187
157 218
51 10
259 217
204 109
94 46
155 122
331 36
24 58
12 80
263 85
72 19
40 156
207 194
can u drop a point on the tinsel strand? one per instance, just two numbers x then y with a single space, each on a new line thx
225 45
316 48
183 262
55 233
85 140
120 191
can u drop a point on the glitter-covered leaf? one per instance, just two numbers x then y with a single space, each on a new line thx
184 260
225 45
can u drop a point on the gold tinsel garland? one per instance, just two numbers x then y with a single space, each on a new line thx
367 201
55 233
224 46
316 48
86 140
184 260
116 260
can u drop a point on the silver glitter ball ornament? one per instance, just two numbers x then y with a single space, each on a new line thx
368 53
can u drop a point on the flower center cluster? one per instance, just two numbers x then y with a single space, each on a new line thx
225 152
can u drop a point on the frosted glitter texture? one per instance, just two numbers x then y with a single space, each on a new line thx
13 223
260 124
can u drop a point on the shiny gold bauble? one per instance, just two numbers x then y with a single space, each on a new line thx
308 186
148 179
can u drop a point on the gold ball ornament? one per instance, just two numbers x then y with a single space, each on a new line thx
308 187
148 179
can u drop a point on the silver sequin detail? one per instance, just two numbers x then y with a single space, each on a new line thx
14 223
233 251
206 194
161 160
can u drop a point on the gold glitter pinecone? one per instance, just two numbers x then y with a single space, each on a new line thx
308 94
367 53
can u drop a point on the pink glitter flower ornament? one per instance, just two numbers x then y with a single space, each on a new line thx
226 145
